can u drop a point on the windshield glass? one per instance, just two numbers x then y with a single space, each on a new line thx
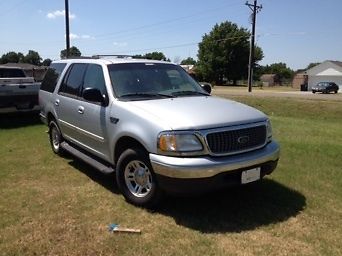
134 81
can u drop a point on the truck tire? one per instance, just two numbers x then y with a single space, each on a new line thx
56 138
136 179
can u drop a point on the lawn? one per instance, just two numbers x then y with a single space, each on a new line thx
60 206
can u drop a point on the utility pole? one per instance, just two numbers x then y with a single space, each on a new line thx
255 9
67 32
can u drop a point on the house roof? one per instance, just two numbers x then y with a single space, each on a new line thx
326 68
25 66
338 63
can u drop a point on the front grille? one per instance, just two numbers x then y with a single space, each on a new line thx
228 142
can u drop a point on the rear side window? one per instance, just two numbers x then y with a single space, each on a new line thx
73 80
11 72
51 77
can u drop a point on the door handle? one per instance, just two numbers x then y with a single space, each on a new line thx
80 109
57 102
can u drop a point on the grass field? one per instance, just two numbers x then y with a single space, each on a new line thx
59 206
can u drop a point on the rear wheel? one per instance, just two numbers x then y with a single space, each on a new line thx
56 138
136 179
336 91
313 91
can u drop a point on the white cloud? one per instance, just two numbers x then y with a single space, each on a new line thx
58 13
75 36
118 44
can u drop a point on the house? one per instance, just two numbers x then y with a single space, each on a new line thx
37 72
270 79
327 71
299 79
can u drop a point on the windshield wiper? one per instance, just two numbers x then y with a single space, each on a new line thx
149 95
186 93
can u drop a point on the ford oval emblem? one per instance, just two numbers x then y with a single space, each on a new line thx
243 139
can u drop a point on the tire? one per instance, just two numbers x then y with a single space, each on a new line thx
313 92
335 91
56 138
136 179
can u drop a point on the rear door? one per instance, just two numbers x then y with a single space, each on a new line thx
68 102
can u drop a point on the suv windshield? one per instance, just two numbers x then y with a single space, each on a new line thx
136 81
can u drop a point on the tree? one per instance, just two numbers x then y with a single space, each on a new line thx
12 57
311 65
279 69
188 61
152 56
33 57
73 52
47 62
224 53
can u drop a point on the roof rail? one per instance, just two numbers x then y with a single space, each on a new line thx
99 56
79 57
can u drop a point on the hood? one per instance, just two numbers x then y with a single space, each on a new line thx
196 113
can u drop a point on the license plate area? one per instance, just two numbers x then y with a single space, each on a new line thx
250 175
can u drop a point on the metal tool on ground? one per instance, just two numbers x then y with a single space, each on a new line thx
116 228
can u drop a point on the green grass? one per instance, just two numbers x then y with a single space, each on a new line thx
60 206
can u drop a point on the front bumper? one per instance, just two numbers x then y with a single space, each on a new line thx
205 167
200 175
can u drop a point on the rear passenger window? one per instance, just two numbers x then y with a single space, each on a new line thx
94 78
51 77
73 80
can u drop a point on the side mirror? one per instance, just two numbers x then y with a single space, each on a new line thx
206 87
94 95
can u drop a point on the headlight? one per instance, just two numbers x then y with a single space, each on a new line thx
178 143
268 130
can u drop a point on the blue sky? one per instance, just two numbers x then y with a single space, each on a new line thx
295 32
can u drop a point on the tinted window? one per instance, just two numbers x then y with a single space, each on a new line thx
51 77
73 80
11 72
93 78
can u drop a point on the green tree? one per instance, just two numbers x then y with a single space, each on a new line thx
188 61
12 57
46 62
73 52
33 57
152 56
311 65
224 53
279 69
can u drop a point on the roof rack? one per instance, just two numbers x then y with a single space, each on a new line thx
111 55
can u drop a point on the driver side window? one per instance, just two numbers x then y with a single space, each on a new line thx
94 78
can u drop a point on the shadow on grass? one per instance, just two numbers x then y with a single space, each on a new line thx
232 210
20 119
236 209
108 181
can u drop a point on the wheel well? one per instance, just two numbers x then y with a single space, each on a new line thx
125 143
50 117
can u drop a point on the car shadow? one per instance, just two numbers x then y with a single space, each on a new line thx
108 181
231 210
236 209
20 119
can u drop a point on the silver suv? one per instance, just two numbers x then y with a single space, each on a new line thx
154 126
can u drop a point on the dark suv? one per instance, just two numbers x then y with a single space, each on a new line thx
325 87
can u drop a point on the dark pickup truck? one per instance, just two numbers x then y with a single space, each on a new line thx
17 91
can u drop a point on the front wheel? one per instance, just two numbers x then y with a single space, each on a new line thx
136 179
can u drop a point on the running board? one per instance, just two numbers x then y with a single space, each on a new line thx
84 157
